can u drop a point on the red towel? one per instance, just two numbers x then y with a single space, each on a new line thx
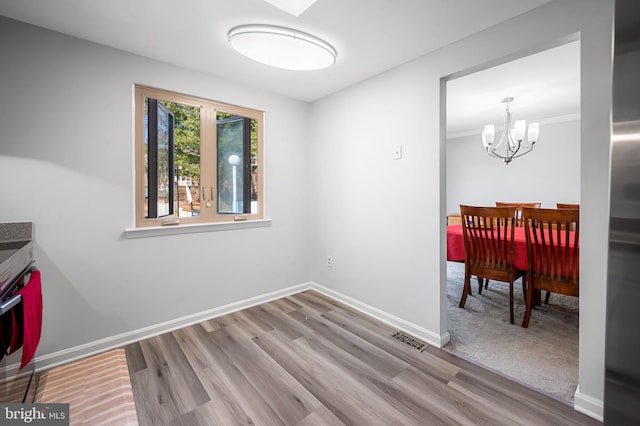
32 316
16 330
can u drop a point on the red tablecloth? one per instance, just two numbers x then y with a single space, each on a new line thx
455 246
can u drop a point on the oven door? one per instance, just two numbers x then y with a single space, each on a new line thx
16 385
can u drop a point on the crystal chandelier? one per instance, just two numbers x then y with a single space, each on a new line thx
512 143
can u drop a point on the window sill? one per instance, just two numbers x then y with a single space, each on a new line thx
156 231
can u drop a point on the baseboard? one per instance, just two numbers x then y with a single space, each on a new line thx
408 327
588 405
82 351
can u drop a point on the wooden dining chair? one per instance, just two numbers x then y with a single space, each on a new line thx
518 215
561 206
568 206
488 248
553 252
519 207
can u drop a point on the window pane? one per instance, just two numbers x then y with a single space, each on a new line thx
231 153
187 158
159 156
253 167
146 158
164 164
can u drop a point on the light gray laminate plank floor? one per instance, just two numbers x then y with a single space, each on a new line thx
309 360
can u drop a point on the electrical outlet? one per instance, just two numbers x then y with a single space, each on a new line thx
397 152
329 262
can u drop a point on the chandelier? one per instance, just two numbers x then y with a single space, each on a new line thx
512 143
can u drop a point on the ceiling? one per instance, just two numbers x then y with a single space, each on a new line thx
371 36
545 87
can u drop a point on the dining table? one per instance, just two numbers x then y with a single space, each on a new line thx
455 246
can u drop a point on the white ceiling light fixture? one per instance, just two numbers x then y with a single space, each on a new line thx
292 7
512 137
282 47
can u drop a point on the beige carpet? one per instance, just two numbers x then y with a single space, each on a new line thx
543 356
97 389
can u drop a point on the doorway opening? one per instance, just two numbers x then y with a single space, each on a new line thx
546 89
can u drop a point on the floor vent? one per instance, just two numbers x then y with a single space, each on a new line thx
414 343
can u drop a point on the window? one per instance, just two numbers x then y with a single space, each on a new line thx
197 161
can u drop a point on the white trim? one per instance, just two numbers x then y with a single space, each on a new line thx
12 372
392 320
113 342
592 407
154 231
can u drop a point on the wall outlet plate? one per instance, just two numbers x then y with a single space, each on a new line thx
397 152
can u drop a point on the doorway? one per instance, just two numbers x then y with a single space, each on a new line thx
546 89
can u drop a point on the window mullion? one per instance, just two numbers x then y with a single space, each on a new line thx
208 161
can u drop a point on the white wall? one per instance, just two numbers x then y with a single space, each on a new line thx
66 161
549 174
381 219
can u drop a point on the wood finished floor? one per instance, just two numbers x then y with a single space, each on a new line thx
309 360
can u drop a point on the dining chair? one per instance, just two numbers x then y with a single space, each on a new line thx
560 206
488 248
553 251
519 207
568 206
518 215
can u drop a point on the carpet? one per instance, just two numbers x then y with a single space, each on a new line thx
543 356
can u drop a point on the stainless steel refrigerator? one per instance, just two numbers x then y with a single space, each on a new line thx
622 353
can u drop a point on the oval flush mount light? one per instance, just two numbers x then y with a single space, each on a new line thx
282 47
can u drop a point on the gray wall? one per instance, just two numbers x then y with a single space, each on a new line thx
549 174
381 219
66 160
